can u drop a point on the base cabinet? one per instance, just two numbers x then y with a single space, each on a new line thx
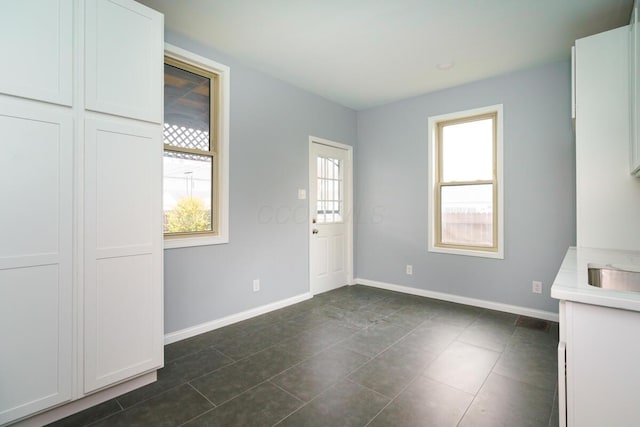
602 370
80 204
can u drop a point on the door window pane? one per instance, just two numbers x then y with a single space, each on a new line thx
467 215
330 192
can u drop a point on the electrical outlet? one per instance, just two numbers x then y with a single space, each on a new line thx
536 287
256 285
409 269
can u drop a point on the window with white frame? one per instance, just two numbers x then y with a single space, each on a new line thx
196 121
465 183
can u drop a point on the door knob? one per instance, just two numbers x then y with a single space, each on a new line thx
315 231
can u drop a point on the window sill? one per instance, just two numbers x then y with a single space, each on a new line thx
187 242
467 252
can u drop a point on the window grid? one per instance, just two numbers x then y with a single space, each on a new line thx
441 185
330 199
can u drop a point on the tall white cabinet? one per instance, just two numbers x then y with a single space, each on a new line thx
80 200
607 196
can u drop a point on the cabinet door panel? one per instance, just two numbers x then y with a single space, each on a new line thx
634 58
123 255
36 42
602 367
124 59
35 258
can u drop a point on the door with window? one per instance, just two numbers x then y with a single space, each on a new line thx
330 216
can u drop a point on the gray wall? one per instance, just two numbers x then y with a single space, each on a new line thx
270 125
539 189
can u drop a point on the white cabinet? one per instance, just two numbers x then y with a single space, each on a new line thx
121 50
634 81
607 196
80 197
37 49
122 263
36 166
602 370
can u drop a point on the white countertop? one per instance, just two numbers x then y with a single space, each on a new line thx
571 282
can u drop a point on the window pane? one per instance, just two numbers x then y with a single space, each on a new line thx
467 151
187 192
467 215
329 208
187 109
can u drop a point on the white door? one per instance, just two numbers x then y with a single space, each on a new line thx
330 222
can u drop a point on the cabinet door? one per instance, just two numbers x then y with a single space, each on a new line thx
124 59
35 257
634 68
602 367
123 252
36 43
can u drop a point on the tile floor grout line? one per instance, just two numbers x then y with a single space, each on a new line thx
150 397
198 391
95 421
285 390
366 387
522 382
196 417
310 400
413 380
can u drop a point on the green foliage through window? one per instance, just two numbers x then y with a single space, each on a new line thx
189 215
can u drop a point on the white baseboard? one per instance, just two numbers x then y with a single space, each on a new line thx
515 309
192 331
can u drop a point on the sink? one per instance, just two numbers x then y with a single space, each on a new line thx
614 278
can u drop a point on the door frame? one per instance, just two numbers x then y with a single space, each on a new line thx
348 206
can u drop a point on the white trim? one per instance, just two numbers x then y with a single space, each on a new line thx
492 305
192 331
224 73
431 181
330 143
348 206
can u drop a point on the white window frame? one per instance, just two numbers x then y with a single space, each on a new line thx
224 76
433 158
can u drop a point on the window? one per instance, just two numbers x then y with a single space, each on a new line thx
195 183
465 183
330 190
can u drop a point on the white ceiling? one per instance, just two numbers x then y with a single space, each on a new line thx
363 53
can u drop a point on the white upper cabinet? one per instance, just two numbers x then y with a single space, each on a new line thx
607 196
634 68
36 41
123 46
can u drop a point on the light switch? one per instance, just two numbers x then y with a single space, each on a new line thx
302 194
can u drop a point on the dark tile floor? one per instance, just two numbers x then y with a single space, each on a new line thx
356 356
